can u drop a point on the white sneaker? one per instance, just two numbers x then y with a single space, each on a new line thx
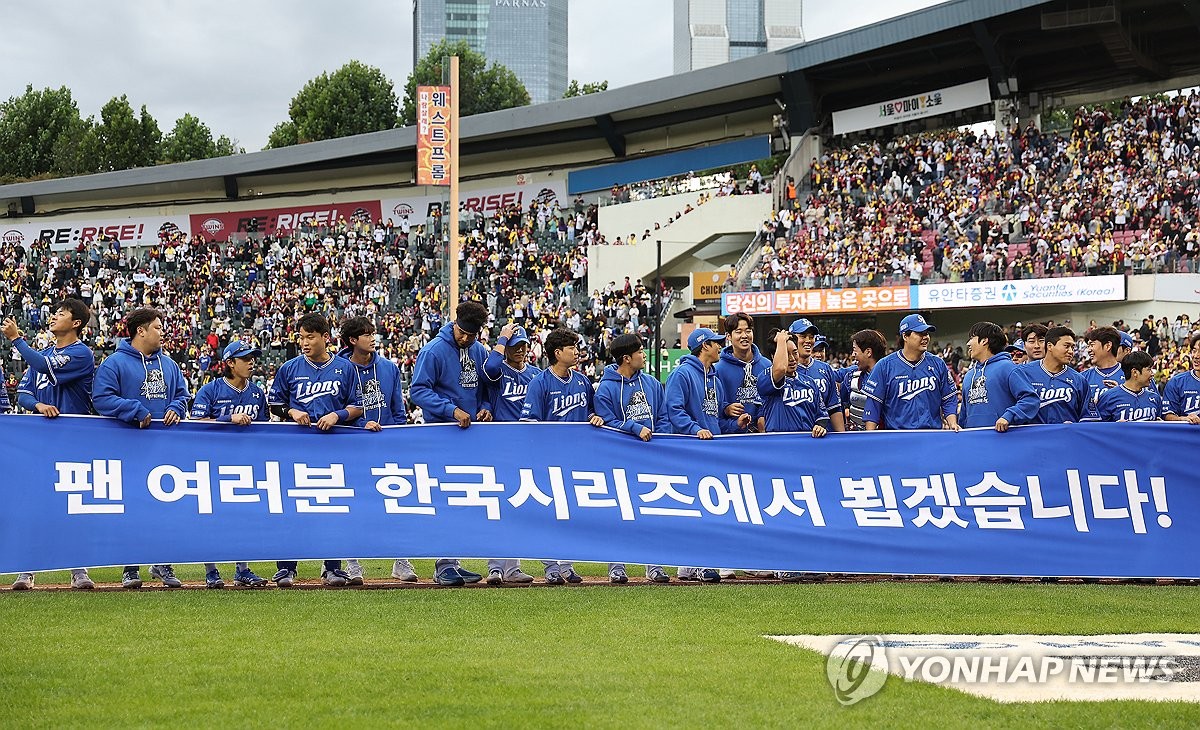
403 570
81 582
23 582
688 574
727 573
518 577
355 571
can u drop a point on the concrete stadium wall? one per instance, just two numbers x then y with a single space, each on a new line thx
719 216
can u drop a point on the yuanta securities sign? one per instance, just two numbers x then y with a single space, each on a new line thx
1020 292
433 135
708 285
65 235
915 106
818 301
272 221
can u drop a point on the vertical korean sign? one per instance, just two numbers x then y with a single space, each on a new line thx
433 135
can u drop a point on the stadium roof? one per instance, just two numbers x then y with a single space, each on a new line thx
1048 46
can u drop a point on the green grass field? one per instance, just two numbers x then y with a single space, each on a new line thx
626 656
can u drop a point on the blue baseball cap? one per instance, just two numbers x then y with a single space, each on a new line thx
1016 346
820 341
1127 340
802 326
518 336
915 323
701 335
240 349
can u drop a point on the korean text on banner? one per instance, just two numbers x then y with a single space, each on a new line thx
433 135
1118 499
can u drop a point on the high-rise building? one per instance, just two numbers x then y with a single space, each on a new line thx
709 32
527 36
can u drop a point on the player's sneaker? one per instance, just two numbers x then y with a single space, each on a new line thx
554 577
727 574
284 578
617 575
817 577
335 578
166 574
131 579
710 575
658 575
495 577
467 576
789 576
688 574
23 582
81 582
448 576
355 572
572 576
247 579
403 570
518 576
212 579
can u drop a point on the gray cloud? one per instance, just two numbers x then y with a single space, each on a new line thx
236 65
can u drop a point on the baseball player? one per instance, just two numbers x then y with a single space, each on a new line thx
234 400
994 395
315 389
1062 391
1133 400
448 388
508 373
1182 392
58 380
632 401
911 389
138 384
561 393
378 384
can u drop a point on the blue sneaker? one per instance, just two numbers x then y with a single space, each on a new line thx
467 576
710 575
448 577
658 575
212 579
284 578
247 578
790 576
554 577
571 576
618 575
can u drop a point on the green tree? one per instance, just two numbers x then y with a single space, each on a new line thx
191 139
355 99
284 135
483 88
77 152
574 89
124 141
31 126
226 146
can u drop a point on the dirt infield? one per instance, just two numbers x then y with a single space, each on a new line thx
309 584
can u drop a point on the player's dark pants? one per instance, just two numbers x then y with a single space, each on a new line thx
292 564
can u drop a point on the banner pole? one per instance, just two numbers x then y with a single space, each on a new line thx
453 204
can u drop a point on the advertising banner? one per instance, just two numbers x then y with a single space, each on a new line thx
916 106
708 286
276 221
818 301
418 206
1062 290
1116 500
433 135
68 234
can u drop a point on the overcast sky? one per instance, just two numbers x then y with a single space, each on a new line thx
236 64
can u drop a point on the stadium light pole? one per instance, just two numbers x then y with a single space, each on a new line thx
452 204
659 312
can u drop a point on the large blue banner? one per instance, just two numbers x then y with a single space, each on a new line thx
1099 499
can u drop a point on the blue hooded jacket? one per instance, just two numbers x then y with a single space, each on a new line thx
1005 392
690 396
129 385
631 404
381 390
446 378
740 386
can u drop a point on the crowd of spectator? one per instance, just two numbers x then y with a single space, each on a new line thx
1117 193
